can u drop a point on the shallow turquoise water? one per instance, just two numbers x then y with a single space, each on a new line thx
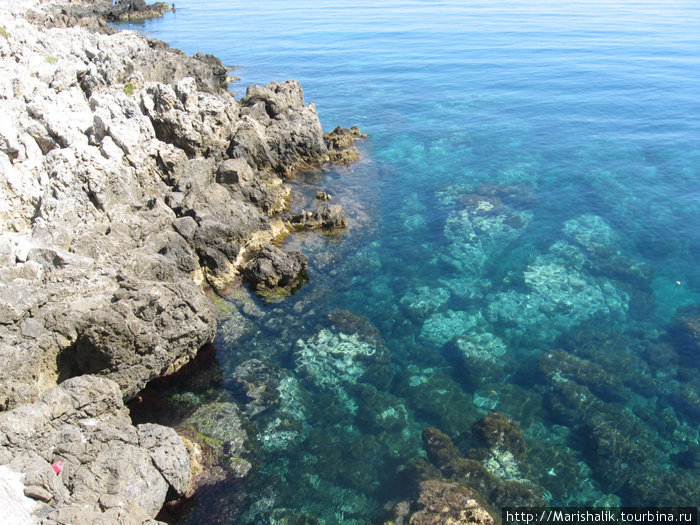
530 184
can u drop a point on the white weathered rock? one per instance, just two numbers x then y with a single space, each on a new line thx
17 508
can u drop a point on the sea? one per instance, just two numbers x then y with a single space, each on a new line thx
524 239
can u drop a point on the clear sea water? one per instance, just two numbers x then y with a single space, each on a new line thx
524 237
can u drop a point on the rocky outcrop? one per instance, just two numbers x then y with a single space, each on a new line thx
124 10
133 337
326 216
272 271
129 182
124 182
277 132
84 462
96 14
340 144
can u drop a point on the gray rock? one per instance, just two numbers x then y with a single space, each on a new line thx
145 331
110 469
234 171
273 270
197 122
37 492
185 226
168 453
326 216
284 135
224 422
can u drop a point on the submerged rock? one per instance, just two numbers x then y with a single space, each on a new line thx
350 323
685 334
491 469
481 229
421 302
332 360
442 502
496 430
218 428
478 357
257 381
518 494
435 396
439 448
592 233
441 327
561 366
559 296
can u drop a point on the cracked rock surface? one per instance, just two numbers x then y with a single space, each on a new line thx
130 180
125 185
111 471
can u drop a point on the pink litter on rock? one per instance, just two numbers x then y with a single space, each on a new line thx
58 467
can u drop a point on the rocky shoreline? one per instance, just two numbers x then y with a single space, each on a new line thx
131 182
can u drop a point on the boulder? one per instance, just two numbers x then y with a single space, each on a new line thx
326 216
277 132
144 332
443 502
340 143
272 270
342 138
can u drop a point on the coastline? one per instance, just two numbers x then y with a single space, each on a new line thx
497 293
131 182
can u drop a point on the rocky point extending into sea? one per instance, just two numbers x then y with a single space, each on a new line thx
133 185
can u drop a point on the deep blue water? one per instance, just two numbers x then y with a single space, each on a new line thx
525 226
